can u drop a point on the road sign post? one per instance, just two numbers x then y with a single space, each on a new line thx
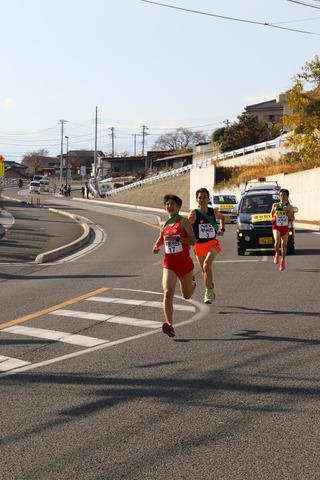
1 173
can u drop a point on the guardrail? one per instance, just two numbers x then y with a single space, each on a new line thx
200 164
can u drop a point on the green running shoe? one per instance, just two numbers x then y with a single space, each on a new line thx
209 295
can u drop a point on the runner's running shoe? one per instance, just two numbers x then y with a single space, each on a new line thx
168 330
282 265
209 295
276 258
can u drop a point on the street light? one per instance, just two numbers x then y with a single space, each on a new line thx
66 136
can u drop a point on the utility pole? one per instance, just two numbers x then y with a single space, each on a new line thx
135 143
227 123
112 139
61 152
67 138
144 133
95 144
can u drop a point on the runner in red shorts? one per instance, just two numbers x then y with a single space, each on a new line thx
281 213
207 247
176 236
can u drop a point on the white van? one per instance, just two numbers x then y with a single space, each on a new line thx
34 187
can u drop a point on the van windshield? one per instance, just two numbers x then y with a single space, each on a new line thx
259 203
220 199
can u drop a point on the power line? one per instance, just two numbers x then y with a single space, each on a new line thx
235 19
302 3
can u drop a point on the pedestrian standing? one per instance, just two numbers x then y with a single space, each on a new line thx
82 191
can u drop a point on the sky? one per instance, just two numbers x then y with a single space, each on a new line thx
141 64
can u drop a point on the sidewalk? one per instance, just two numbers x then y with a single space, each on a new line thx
34 231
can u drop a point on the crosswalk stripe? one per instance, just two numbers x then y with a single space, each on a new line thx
136 322
99 317
143 303
54 335
9 363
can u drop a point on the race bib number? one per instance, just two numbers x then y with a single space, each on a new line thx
281 220
171 247
206 231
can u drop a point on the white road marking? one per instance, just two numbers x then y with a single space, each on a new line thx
54 335
143 303
264 258
9 363
203 310
101 317
316 233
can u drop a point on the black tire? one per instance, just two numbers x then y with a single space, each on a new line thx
241 251
291 250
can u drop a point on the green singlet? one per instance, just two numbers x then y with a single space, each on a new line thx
171 220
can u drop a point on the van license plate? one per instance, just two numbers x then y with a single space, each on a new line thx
265 241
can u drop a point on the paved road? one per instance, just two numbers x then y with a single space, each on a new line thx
102 394
34 231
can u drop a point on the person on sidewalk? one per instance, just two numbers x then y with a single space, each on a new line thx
83 191
281 213
176 235
205 227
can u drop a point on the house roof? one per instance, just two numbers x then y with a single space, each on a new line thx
270 104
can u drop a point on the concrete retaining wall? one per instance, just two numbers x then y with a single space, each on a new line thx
201 177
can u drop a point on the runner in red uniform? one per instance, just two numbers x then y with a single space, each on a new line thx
176 236
281 213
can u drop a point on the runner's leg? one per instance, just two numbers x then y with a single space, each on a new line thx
276 236
169 280
187 285
208 268
284 242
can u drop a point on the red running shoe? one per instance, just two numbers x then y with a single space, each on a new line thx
276 259
282 265
168 330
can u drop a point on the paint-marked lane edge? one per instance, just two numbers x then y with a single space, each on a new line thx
31 316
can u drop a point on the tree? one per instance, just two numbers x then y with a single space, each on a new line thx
179 139
247 130
304 119
33 159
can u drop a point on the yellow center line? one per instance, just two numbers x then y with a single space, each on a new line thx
25 318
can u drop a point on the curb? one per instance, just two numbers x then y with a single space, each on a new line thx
65 249
137 207
307 226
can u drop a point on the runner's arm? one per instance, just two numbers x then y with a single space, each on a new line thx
192 217
290 213
190 239
272 210
220 217
158 244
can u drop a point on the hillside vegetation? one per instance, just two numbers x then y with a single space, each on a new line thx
152 195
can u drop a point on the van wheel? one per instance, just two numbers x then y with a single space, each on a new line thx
241 251
291 250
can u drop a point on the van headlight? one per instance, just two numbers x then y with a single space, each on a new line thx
245 226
